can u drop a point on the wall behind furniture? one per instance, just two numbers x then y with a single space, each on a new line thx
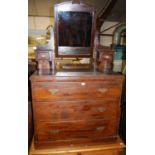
107 40
37 26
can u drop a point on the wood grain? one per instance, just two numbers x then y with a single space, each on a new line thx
46 91
56 111
110 148
83 129
75 109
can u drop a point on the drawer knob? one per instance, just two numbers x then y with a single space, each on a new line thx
54 131
100 129
100 109
102 90
53 91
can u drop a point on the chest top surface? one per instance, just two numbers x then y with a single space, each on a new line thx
46 75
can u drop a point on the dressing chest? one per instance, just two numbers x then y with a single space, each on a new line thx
75 107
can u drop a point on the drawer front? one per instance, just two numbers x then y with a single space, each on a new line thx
105 152
47 131
46 91
43 55
75 110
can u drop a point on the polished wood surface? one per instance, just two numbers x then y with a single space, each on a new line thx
74 90
83 129
69 110
111 148
74 109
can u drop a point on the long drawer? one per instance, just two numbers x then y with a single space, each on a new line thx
84 129
75 110
48 91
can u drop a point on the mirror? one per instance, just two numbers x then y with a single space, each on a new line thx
74 30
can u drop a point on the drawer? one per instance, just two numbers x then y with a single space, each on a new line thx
47 91
43 55
47 131
75 110
105 152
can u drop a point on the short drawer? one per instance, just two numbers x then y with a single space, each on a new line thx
47 131
76 110
43 55
48 91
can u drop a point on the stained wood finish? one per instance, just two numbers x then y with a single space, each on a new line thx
70 110
80 109
43 55
76 129
63 76
74 90
107 152
110 148
75 141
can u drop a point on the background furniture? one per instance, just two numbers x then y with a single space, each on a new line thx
116 148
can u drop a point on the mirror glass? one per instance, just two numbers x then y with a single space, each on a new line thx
74 28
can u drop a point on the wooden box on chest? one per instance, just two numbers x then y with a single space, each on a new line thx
74 108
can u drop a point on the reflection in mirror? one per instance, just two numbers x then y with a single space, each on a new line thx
74 29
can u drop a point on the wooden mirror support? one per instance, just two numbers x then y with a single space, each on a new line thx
45 59
104 59
45 55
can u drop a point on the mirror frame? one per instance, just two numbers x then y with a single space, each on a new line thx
67 51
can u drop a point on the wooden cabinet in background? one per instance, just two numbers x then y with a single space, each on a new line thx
113 148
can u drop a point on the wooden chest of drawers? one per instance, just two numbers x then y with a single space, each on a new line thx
75 108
